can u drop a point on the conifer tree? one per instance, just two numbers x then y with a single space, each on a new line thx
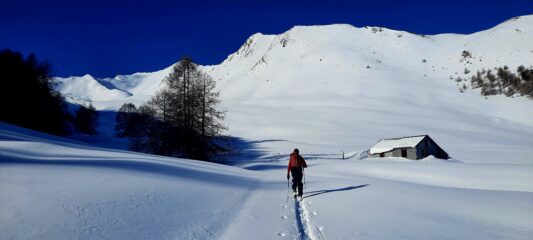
183 115
27 97
85 119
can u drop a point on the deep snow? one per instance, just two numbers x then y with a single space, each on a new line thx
54 188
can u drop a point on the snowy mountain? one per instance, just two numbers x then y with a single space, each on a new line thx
325 90
347 87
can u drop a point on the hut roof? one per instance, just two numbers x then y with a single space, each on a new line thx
389 144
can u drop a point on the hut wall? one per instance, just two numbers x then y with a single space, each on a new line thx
411 154
427 147
397 153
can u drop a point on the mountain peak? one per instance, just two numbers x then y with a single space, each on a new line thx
88 76
340 52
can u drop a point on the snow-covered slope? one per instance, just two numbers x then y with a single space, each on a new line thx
86 89
348 87
111 93
54 188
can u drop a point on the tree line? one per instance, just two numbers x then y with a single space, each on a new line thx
180 120
503 81
28 99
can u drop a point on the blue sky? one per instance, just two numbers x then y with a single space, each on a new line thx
106 38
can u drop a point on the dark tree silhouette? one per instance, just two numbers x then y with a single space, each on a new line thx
85 119
127 120
27 97
181 119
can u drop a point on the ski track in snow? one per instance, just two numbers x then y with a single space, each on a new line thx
311 230
299 222
304 222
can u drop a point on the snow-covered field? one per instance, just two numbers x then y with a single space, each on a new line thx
55 188
325 90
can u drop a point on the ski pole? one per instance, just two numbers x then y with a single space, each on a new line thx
303 173
287 202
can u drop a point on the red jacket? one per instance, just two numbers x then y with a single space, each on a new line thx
296 160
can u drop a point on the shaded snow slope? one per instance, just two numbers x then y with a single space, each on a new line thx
348 87
53 188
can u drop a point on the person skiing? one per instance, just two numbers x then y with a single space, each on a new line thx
295 167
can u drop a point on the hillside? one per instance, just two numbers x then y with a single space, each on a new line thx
56 188
345 87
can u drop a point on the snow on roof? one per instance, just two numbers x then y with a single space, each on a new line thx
386 145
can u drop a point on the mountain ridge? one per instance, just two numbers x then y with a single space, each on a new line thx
258 34
327 85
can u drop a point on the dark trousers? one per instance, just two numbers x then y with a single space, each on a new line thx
297 176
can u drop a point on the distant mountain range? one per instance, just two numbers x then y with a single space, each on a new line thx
343 85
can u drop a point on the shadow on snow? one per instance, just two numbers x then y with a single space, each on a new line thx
262 167
299 223
169 169
240 150
315 193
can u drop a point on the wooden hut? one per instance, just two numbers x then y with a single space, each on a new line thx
412 147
